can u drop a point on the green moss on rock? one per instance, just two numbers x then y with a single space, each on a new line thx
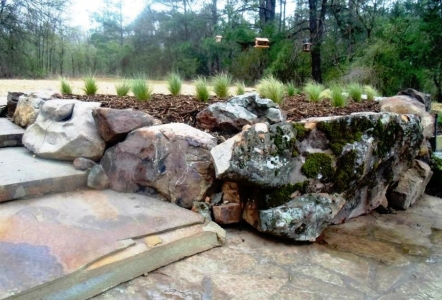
283 194
300 131
318 163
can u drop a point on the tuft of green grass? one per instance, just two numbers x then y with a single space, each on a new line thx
174 83
336 96
271 88
141 90
291 89
122 89
90 85
66 88
201 89
371 92
221 84
313 91
355 91
240 88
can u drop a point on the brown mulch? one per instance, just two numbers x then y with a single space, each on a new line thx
184 108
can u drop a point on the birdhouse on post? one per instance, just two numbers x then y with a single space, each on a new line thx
306 46
218 38
261 43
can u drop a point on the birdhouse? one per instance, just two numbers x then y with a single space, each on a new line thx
261 43
306 46
218 38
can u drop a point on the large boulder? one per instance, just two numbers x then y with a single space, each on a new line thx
115 124
173 158
419 96
357 156
65 130
408 105
241 110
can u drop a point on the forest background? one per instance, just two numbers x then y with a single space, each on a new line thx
390 45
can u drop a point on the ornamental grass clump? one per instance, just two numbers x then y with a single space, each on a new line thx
291 89
174 83
355 91
240 88
336 96
141 89
201 89
90 85
122 89
371 92
313 91
271 88
66 88
221 84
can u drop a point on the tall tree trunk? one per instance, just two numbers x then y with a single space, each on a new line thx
316 34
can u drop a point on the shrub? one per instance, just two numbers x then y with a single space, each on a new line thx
336 96
355 91
142 91
66 88
291 89
313 91
221 84
174 83
270 87
371 92
240 88
90 86
122 89
202 92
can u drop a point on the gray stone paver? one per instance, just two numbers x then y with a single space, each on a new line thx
397 256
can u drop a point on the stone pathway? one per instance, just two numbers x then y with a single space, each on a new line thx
395 256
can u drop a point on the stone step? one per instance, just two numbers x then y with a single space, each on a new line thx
23 176
76 245
10 134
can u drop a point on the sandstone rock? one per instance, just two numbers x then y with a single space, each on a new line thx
12 101
172 158
65 130
229 213
241 110
410 187
303 218
203 209
230 192
419 96
408 105
114 124
97 178
83 164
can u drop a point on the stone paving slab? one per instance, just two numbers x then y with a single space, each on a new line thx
22 175
76 245
395 256
10 134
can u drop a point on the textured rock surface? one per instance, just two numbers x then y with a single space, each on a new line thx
229 213
65 130
12 101
410 187
114 124
303 218
408 105
83 164
97 178
419 96
239 111
172 158
357 156
203 209
29 105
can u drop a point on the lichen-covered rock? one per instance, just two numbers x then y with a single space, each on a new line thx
97 178
241 110
419 96
203 209
410 187
115 124
357 156
302 218
173 158
65 130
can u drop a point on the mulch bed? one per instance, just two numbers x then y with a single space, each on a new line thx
184 108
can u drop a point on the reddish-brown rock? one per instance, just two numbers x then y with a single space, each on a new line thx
230 192
229 213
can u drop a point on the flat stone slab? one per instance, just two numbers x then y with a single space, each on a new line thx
23 175
79 244
10 134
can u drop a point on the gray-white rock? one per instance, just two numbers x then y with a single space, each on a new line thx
410 187
97 178
419 96
83 164
65 130
172 158
241 110
203 209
